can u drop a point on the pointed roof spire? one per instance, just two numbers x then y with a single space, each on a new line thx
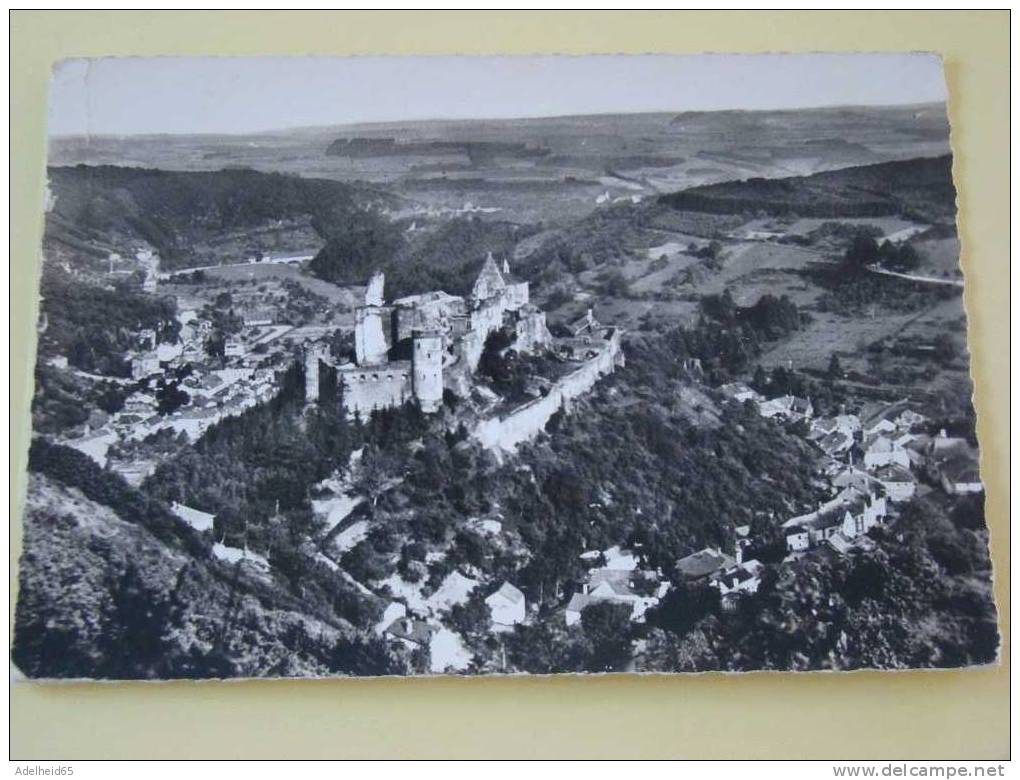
490 281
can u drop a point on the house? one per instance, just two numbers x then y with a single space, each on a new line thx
843 544
507 606
233 348
802 408
145 364
889 418
742 578
577 605
899 484
787 406
393 611
740 392
958 473
698 566
797 538
411 632
953 463
255 316
584 325
841 423
614 586
776 407
852 477
880 450
852 512
836 443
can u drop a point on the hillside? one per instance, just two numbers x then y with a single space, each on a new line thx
921 188
95 550
192 217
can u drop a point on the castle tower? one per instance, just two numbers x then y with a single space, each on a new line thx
369 337
313 355
427 369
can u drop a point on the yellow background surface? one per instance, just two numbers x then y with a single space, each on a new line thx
931 714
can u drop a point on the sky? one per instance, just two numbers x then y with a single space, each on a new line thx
146 95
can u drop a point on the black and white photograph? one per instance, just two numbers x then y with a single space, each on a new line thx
501 365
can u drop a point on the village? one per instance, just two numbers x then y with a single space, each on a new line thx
872 460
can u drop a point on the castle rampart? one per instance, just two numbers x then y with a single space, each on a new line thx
506 432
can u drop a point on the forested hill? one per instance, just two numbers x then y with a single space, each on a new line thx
920 188
188 215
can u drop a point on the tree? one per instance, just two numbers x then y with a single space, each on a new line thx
170 397
683 607
607 626
835 370
863 251
134 638
357 241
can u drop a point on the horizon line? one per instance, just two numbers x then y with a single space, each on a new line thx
532 117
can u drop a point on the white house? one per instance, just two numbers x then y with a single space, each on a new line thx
739 392
898 482
880 450
507 606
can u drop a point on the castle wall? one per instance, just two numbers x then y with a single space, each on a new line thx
524 423
368 388
426 313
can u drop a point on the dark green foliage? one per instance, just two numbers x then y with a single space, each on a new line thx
133 642
93 326
607 627
921 188
175 211
683 607
170 397
357 242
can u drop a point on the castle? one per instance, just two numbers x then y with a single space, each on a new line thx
418 346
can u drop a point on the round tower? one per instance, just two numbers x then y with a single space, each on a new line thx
427 369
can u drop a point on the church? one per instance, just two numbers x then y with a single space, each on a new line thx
420 345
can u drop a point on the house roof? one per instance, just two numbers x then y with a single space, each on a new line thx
879 443
578 602
800 404
960 467
894 472
508 592
873 414
413 630
617 580
829 517
737 576
703 563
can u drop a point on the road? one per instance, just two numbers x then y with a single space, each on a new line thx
267 261
915 278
